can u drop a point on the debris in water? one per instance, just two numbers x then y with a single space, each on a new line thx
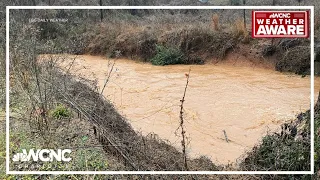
225 135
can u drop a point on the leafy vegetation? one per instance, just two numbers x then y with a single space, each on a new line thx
289 149
166 56
279 153
61 112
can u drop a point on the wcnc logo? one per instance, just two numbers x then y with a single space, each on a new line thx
44 155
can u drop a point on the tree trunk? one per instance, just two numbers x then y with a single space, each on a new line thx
101 12
244 16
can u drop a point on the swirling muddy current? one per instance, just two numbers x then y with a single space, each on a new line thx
244 102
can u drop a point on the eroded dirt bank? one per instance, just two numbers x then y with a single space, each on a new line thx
245 102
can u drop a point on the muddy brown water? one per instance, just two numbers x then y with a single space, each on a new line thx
245 102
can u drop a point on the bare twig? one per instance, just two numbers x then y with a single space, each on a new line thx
108 77
113 131
183 142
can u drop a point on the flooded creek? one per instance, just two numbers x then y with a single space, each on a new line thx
245 102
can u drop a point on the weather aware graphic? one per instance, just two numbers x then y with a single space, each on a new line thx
293 24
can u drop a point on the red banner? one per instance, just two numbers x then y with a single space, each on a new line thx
280 24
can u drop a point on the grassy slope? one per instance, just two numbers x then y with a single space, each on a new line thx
290 148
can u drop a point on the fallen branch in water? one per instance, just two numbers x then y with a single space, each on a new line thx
225 136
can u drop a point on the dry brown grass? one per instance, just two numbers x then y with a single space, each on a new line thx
215 22
240 28
199 41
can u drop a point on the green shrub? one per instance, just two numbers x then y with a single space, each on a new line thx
166 56
61 112
276 153
288 150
